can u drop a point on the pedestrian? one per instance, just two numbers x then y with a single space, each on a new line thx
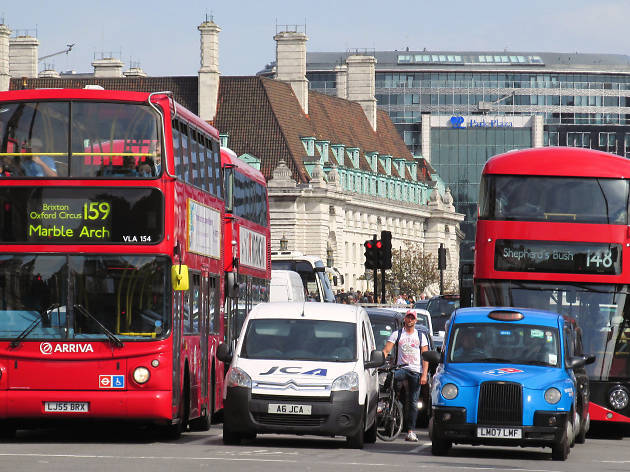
410 344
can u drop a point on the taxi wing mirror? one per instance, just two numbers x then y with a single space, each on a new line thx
590 360
179 277
224 353
580 361
377 359
432 357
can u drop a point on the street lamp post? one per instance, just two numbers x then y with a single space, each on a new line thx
284 243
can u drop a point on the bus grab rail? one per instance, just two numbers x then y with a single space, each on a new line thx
169 94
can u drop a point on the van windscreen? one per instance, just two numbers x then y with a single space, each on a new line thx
288 339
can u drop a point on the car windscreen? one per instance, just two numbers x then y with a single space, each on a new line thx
505 343
302 339
382 331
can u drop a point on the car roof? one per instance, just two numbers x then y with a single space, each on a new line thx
383 313
308 310
531 316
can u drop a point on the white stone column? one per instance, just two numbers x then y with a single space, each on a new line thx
342 81
5 33
209 71
361 84
108 67
23 55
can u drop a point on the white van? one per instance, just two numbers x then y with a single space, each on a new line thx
302 368
311 269
286 286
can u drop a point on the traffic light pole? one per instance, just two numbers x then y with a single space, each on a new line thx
383 300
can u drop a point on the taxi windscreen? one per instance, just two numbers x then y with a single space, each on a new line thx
287 339
505 343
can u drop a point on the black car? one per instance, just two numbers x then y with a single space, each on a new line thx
441 307
385 322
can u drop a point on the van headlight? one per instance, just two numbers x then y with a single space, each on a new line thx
450 391
552 395
238 378
348 382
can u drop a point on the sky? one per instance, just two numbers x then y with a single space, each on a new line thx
161 36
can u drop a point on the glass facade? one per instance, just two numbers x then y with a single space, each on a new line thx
458 156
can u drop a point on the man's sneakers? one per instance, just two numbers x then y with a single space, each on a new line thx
411 436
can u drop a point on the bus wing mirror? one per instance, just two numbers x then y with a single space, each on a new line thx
179 277
232 285
224 353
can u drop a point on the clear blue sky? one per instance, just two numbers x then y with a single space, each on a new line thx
162 34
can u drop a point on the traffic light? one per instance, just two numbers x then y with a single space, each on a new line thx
441 257
370 253
385 251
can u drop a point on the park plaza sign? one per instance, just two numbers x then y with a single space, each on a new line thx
479 122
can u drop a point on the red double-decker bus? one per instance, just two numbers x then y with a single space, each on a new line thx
552 230
247 239
111 261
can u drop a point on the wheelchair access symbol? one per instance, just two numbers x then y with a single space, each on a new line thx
111 381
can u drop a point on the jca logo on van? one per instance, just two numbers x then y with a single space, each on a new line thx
295 370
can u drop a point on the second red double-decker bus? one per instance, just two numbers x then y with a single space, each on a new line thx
247 239
553 233
111 260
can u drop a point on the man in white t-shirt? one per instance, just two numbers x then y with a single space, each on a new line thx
411 345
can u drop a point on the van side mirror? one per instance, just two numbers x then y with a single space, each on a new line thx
432 357
377 359
179 277
224 353
232 285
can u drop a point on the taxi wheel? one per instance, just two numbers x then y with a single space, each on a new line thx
584 427
439 445
560 449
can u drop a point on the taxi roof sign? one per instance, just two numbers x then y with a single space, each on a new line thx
506 315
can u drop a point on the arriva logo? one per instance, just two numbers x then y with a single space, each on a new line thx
47 348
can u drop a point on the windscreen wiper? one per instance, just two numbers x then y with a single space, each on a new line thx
18 339
111 336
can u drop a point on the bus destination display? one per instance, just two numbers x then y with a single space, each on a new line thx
82 215
557 257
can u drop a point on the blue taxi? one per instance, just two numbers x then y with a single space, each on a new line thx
504 378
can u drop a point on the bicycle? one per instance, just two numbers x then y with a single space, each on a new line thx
389 411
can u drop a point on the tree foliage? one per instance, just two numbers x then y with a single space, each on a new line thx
413 270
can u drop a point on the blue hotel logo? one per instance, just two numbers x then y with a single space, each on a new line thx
457 121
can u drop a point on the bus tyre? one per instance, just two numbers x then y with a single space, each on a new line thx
357 440
7 431
560 449
231 437
202 423
580 438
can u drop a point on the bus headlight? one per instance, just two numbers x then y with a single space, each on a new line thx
238 378
618 397
141 375
552 395
349 382
450 391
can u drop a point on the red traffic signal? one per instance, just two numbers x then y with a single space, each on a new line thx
370 253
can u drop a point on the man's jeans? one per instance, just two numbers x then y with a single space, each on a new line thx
413 381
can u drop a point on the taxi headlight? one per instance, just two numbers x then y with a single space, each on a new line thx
552 395
348 382
238 378
141 375
450 391
618 397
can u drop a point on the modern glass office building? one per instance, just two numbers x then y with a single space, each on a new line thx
582 100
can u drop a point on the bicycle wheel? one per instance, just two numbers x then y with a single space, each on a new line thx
389 421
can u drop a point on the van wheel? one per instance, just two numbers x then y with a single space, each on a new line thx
370 435
231 437
357 440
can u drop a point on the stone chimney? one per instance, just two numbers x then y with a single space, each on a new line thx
361 86
23 54
5 33
291 63
209 71
135 72
108 67
341 73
